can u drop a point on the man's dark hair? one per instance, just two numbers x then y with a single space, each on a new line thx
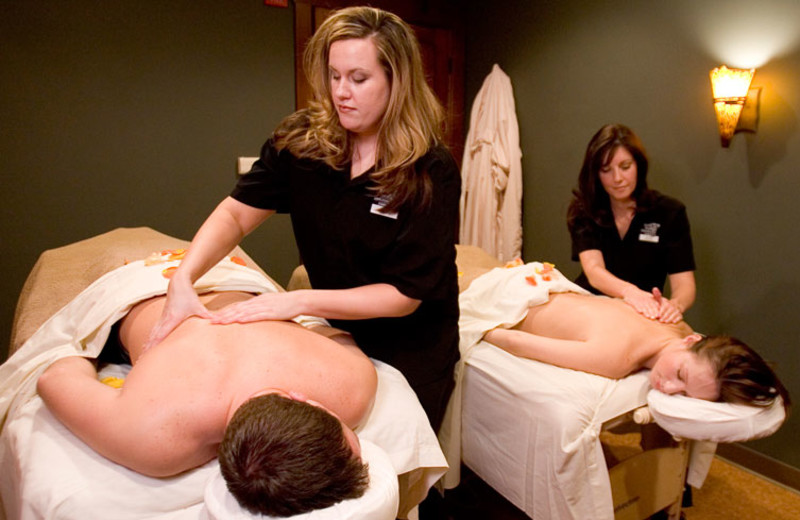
283 457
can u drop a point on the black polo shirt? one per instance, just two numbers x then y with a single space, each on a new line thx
345 241
658 243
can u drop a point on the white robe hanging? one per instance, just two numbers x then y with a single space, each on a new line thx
491 172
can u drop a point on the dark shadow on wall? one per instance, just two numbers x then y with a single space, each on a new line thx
778 305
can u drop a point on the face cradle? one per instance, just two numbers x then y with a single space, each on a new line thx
359 85
619 176
680 371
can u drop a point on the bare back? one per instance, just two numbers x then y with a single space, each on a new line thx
171 413
206 366
181 393
609 324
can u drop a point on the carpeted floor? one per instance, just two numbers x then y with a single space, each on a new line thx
730 492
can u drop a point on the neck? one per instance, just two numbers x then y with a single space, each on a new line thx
666 345
619 207
364 147
238 399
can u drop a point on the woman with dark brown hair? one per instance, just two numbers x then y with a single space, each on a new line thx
628 238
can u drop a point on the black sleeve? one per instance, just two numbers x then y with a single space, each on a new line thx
422 260
266 186
585 234
679 249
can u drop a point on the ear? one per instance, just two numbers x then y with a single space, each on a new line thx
691 339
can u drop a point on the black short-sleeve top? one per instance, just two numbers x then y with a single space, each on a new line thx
658 243
346 240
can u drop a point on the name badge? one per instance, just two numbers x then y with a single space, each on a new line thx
649 233
377 208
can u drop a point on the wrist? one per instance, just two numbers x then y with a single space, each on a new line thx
301 300
629 291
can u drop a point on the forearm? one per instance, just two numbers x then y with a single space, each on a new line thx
368 301
683 290
602 279
227 225
605 282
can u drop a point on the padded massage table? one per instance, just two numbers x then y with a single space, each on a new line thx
564 444
70 300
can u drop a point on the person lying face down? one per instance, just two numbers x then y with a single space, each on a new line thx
606 336
276 401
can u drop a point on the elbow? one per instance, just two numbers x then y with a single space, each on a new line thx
621 370
404 306
409 307
44 383
48 382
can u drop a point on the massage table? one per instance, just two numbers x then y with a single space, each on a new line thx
564 444
68 304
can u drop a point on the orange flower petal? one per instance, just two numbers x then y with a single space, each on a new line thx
237 260
531 280
168 272
176 254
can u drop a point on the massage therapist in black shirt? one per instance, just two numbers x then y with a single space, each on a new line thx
373 196
630 239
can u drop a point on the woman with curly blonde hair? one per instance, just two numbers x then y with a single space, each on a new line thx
373 195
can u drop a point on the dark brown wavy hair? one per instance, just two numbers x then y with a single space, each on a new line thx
744 376
589 199
283 457
411 125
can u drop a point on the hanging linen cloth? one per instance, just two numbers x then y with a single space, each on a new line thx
491 172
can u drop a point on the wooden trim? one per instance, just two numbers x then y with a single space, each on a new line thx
303 29
760 464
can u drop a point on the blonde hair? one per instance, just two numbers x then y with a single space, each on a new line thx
411 125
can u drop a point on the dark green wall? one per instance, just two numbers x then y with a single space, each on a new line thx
131 114
576 65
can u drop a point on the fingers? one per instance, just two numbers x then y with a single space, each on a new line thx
235 314
269 306
644 303
159 332
173 315
670 313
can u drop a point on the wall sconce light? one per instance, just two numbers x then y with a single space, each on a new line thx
729 88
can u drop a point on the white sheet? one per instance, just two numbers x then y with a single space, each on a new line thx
397 423
499 298
530 429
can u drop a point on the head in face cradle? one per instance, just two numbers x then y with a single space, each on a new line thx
717 368
283 455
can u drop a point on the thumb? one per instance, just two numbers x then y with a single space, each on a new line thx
657 295
160 331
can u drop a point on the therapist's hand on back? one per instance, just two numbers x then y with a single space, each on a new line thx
643 301
182 302
267 306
